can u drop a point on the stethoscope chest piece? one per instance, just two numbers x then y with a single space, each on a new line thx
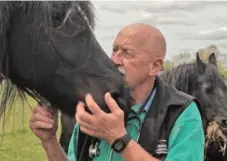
94 150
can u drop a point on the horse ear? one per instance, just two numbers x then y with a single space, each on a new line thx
212 59
200 65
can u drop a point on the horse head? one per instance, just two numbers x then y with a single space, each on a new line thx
49 51
211 91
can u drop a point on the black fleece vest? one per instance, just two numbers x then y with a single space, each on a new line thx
167 105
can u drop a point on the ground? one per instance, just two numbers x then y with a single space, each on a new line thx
19 143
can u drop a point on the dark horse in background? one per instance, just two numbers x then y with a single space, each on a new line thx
204 82
49 51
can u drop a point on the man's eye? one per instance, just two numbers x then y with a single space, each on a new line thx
114 49
127 53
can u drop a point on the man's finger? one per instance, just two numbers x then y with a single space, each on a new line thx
53 111
83 115
42 118
40 109
111 103
85 125
40 125
86 117
79 110
92 106
86 131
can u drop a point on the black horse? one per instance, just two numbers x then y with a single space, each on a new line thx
204 82
49 51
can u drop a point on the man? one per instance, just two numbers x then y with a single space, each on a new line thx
168 128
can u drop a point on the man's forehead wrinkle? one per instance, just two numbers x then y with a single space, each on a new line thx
139 37
126 41
143 41
136 38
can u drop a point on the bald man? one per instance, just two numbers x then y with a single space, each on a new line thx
163 125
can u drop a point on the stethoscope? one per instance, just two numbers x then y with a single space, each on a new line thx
94 150
144 107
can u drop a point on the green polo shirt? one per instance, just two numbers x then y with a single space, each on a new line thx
186 140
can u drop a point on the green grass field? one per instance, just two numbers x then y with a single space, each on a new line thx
19 143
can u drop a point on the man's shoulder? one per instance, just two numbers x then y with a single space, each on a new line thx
187 132
172 95
190 113
187 123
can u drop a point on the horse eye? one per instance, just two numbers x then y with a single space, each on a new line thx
209 89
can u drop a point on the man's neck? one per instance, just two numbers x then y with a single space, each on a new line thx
141 92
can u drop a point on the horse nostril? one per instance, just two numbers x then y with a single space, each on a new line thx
224 121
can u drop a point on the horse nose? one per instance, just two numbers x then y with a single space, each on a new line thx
221 120
224 121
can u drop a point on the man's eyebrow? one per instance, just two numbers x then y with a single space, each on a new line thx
114 45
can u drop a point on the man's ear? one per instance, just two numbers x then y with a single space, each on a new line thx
155 67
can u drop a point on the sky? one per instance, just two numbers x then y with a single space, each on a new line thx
186 25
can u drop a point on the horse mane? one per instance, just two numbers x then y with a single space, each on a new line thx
183 76
53 16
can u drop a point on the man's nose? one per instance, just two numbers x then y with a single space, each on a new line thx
116 58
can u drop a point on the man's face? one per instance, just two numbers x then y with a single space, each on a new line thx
131 55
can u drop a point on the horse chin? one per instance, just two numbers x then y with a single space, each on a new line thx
216 135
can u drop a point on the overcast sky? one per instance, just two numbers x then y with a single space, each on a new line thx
187 26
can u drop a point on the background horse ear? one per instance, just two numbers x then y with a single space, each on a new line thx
212 59
200 65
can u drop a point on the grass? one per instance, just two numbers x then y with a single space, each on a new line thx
18 142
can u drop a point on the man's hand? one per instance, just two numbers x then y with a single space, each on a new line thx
44 123
107 126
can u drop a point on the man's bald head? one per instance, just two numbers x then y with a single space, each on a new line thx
148 37
138 52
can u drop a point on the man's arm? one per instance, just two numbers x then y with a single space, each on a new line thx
44 124
134 152
54 151
186 141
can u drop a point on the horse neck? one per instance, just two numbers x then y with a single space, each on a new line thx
180 77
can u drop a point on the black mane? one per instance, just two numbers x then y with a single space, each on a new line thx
181 77
184 76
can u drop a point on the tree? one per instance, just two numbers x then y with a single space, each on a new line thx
183 57
168 65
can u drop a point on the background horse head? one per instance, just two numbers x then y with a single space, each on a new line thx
48 50
203 81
